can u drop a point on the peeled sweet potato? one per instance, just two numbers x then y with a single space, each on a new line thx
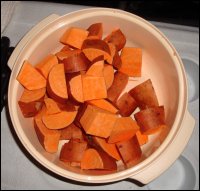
108 73
66 54
145 95
96 69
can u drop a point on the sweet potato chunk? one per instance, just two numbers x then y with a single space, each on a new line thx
95 30
73 151
151 120
93 87
108 73
130 151
124 129
66 54
145 95
131 61
97 122
96 69
30 78
126 105
74 37
46 64
117 38
118 85
142 139
52 106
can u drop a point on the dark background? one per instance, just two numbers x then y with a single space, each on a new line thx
177 12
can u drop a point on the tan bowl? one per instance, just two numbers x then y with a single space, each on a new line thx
161 63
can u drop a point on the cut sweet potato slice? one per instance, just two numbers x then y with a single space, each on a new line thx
96 69
131 58
97 44
51 106
73 151
66 54
118 85
57 87
117 38
93 159
108 73
145 95
30 78
46 64
97 122
124 129
59 120
93 53
96 30
49 139
74 37
65 48
76 89
76 63
130 151
126 105
93 87
103 104
142 139
151 120
110 149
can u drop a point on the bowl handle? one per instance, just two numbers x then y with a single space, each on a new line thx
28 37
173 151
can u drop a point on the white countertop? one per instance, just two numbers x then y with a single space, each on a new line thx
21 171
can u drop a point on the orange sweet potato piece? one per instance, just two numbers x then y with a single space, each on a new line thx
151 120
142 139
110 149
51 106
93 53
30 78
49 139
93 87
74 37
130 151
124 129
145 95
131 58
46 64
118 85
108 73
93 159
57 87
96 69
73 151
98 122
97 44
126 105
117 38
59 120
76 89
95 30
103 104
71 132
66 54
76 63
65 48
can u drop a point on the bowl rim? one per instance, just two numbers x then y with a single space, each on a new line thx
182 105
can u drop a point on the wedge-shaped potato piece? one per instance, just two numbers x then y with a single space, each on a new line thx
108 73
93 87
30 78
52 106
96 69
93 159
130 151
124 129
96 30
118 85
74 37
57 87
126 105
73 151
98 122
151 120
142 139
117 38
116 59
145 95
66 54
46 64
131 58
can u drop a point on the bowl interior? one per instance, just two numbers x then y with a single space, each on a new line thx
157 63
